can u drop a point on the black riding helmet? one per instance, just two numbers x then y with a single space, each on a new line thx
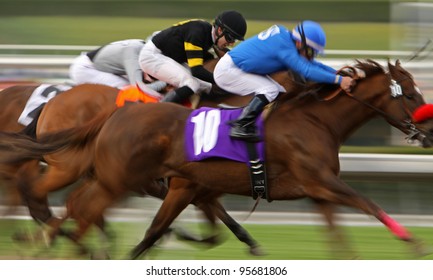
233 25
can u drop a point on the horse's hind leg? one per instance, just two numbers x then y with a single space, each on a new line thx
177 199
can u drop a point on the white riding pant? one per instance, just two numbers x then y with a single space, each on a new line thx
166 69
82 71
232 79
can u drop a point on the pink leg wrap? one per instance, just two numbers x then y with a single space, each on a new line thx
394 227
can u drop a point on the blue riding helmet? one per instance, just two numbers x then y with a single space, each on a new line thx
310 34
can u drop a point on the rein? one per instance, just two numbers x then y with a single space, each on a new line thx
396 92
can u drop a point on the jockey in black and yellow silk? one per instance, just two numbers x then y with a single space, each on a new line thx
176 55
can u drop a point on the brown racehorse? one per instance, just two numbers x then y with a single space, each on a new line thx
72 108
12 102
14 98
302 137
76 106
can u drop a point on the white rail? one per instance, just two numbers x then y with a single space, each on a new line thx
87 48
386 164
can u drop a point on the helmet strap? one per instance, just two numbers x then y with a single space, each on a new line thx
218 35
303 38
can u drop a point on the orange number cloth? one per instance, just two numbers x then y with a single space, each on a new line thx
133 94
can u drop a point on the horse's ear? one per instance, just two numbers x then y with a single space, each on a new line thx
398 63
390 65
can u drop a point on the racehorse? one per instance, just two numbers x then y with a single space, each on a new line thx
75 107
14 98
302 141
12 102
72 108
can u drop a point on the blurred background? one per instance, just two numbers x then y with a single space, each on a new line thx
39 38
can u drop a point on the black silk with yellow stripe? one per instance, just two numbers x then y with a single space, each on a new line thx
186 41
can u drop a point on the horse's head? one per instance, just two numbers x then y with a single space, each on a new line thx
404 99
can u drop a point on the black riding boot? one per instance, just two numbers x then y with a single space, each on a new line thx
178 96
244 127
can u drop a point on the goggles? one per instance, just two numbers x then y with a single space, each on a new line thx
229 37
310 53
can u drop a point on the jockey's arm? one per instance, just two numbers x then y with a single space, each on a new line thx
324 66
311 71
201 73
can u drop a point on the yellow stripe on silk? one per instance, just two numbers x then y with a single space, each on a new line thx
191 47
195 62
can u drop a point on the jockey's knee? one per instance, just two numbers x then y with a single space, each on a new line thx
191 83
270 93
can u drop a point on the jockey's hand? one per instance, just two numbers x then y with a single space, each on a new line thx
347 83
148 90
220 52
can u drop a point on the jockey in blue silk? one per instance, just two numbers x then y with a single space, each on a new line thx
245 69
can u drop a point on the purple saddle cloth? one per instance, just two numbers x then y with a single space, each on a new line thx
207 136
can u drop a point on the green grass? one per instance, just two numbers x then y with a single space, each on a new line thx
386 150
90 30
279 242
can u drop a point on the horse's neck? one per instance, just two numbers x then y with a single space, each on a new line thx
341 116
291 83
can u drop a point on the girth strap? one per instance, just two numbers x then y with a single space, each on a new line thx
257 173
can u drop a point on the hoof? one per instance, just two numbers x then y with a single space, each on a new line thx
100 256
29 237
420 249
257 251
22 237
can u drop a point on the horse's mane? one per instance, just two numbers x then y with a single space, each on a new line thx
319 91
309 90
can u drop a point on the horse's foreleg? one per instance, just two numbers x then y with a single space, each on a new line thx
209 240
35 187
240 232
338 192
27 174
339 244
86 205
177 199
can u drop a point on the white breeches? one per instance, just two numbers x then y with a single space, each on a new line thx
232 79
164 68
82 71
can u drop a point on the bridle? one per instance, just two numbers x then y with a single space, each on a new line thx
397 93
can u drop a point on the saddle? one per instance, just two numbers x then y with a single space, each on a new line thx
207 136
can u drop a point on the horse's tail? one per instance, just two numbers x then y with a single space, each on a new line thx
19 147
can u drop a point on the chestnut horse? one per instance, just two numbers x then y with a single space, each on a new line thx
73 107
302 141
78 105
12 102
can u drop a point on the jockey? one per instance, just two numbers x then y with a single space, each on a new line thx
115 65
176 55
245 69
